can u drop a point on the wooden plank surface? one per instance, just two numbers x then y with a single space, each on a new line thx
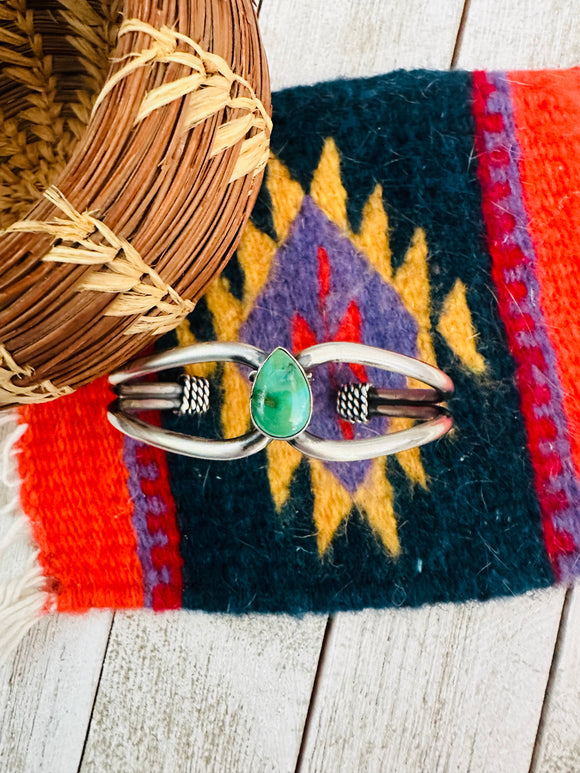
310 40
443 688
454 688
196 692
467 700
47 692
520 34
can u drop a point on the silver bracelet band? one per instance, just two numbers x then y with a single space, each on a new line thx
279 399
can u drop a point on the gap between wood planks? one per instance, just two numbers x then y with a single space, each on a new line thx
319 669
459 38
89 723
551 677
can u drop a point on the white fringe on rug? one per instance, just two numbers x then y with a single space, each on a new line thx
22 598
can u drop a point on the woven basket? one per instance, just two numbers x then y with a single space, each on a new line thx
130 159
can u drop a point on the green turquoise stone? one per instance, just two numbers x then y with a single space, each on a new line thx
281 401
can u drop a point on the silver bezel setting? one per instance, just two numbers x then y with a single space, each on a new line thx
254 378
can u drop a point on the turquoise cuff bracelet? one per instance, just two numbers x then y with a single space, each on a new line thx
281 402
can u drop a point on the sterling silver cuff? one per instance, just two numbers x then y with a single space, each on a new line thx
281 400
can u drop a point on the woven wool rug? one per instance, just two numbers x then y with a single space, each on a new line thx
434 214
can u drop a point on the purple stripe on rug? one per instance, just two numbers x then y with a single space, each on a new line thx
143 506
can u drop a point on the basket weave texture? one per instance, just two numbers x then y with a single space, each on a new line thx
132 144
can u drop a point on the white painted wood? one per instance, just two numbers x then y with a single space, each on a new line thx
196 692
521 34
558 747
311 40
449 688
47 691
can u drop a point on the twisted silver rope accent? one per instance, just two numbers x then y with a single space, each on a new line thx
195 397
352 403
424 405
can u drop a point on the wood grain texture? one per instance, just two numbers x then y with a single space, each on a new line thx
197 692
520 34
309 41
448 688
558 744
47 691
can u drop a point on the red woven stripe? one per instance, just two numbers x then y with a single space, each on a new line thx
534 375
74 489
547 120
